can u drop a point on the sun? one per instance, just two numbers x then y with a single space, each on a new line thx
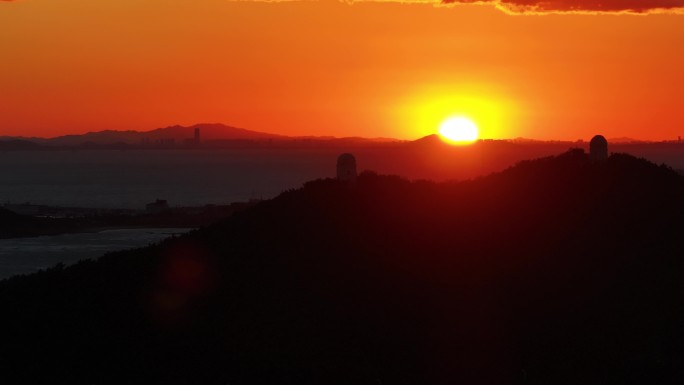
459 130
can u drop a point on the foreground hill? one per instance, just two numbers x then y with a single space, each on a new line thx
555 271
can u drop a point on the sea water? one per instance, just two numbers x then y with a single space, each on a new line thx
129 179
28 255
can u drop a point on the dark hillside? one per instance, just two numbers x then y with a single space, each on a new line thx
555 271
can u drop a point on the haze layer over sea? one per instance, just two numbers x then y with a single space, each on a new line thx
131 178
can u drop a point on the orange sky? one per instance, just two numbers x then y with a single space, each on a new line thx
330 68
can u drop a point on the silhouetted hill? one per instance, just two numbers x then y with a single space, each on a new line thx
178 133
554 271
210 132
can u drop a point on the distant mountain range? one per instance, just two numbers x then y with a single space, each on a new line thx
211 132
177 134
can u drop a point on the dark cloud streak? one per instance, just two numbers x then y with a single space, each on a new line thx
552 6
532 7
581 6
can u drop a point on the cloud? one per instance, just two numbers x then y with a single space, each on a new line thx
581 6
537 7
532 7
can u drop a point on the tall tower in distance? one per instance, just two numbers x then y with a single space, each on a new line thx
598 148
197 135
346 168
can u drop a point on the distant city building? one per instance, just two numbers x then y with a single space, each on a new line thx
195 140
598 148
157 207
346 168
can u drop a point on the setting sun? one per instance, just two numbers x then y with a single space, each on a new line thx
459 130
423 110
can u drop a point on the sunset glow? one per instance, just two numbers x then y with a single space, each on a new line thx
459 130
497 115
372 69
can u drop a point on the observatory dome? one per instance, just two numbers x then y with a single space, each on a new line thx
598 148
346 168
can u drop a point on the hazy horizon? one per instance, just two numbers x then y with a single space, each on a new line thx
617 138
